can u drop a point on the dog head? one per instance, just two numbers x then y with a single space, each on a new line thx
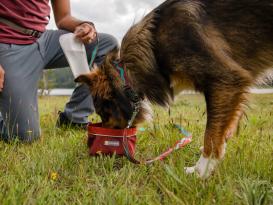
111 102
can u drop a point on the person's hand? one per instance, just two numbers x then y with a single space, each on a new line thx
2 75
86 32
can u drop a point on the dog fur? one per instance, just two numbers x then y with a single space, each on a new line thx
219 48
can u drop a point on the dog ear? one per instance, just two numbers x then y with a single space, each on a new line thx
84 78
108 68
89 78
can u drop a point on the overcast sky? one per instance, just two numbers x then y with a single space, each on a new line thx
110 16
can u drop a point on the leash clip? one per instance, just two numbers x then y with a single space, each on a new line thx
136 110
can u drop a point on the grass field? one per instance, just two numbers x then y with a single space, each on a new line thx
58 170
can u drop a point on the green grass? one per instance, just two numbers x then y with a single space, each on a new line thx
58 170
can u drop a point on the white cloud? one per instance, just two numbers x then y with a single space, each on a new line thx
110 16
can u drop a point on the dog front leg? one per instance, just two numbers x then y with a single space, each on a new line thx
224 110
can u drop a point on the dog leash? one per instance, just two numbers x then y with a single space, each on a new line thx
178 145
94 52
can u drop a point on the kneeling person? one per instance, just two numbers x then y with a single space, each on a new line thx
26 48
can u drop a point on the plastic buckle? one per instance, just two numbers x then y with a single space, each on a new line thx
36 34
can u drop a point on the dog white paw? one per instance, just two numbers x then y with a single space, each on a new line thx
190 170
203 168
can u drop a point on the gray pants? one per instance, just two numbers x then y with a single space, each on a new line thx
23 65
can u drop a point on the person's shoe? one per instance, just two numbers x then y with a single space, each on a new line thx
64 122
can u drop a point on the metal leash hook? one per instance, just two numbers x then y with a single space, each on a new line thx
135 112
136 108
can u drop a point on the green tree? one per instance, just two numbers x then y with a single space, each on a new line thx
57 78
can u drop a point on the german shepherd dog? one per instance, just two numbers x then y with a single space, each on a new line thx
217 47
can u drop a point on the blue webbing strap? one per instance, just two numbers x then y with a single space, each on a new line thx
94 53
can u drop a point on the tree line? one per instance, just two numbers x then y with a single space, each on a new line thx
57 78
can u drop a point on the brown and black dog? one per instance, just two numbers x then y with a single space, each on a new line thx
217 47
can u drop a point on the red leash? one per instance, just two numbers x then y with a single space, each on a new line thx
178 145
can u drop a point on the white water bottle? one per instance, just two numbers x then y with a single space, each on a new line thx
75 54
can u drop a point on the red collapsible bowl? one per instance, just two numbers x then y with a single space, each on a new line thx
110 141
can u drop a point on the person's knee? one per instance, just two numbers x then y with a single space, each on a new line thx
113 42
107 42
